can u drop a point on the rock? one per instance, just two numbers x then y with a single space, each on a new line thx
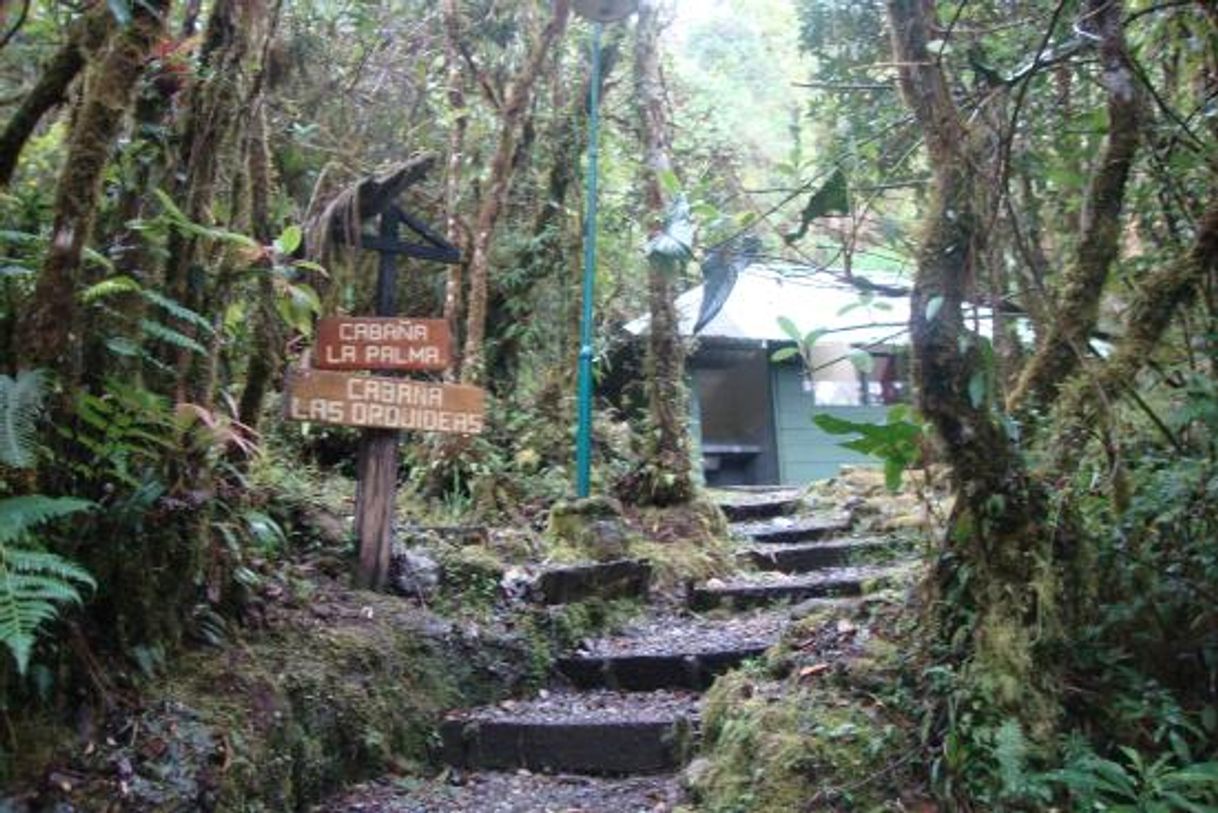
518 583
593 525
412 572
695 773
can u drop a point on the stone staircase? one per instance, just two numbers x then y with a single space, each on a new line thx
622 716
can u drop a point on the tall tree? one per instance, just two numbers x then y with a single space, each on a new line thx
1005 569
669 470
47 329
513 111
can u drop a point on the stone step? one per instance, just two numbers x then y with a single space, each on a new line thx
517 792
669 652
597 733
623 578
808 557
740 506
762 589
793 530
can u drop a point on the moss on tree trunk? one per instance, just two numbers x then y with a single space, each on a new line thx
668 470
1001 575
86 35
49 330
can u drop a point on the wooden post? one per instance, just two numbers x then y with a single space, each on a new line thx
377 469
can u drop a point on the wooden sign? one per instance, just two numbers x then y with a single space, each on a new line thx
377 402
382 343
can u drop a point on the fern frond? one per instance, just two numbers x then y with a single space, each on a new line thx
20 402
177 310
32 585
121 284
171 336
19 514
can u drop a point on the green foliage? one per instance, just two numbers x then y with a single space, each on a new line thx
33 583
20 404
897 442
831 198
672 248
1136 784
127 431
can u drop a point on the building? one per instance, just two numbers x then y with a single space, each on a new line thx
753 414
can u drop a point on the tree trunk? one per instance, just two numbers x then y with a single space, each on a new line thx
214 105
1064 346
1159 298
86 35
455 91
1002 567
266 353
514 111
49 330
669 478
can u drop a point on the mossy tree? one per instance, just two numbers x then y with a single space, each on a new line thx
668 471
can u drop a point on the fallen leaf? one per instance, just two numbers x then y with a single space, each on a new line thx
813 671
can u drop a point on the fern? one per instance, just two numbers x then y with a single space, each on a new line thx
33 583
171 336
20 404
19 515
111 286
177 310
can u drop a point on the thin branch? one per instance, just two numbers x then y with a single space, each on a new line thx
1198 144
25 10
845 87
1155 9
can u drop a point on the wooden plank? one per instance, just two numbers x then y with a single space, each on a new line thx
382 343
377 402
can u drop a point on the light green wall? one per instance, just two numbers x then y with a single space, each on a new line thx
806 453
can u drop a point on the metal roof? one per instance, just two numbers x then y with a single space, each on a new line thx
813 301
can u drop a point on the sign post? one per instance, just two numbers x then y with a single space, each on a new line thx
383 404
376 471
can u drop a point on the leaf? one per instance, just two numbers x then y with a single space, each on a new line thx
109 287
170 336
720 270
933 306
180 221
32 583
831 199
177 310
977 388
122 346
672 247
788 327
894 473
20 404
863 361
784 353
18 515
812 337
669 182
289 240
266 531
121 9
835 425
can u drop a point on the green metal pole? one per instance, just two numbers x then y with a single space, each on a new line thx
583 437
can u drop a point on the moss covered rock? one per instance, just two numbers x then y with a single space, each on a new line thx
594 526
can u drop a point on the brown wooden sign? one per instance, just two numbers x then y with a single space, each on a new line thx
384 403
382 343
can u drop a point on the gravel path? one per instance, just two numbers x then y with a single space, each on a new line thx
600 706
766 578
520 792
816 524
690 635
